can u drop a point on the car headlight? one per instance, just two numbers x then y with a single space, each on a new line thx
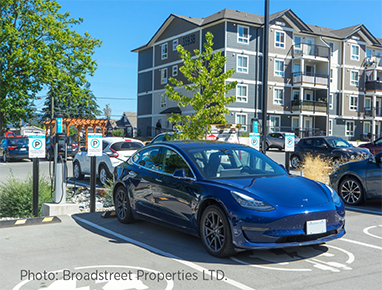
251 203
336 199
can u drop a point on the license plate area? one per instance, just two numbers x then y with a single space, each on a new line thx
316 227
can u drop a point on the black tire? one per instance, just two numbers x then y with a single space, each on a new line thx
351 191
266 146
77 171
4 157
295 161
103 174
122 206
216 233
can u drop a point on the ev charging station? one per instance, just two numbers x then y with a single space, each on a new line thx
289 147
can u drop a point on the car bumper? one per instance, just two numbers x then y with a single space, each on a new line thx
287 230
13 155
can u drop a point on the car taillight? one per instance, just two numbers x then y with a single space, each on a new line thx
75 145
127 139
115 154
12 147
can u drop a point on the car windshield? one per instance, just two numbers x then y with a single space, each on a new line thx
338 143
124 146
238 162
18 141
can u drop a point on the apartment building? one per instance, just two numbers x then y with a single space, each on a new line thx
320 81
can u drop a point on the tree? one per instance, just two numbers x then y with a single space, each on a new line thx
207 79
38 50
85 105
107 111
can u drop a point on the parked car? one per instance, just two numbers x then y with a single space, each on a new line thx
12 148
115 150
72 148
332 148
231 195
358 181
374 147
160 138
277 140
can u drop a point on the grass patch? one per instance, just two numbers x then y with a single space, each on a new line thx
16 196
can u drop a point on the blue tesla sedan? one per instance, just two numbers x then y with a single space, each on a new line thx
231 195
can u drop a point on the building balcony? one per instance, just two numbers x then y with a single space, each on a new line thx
300 78
371 112
374 86
374 61
310 106
310 50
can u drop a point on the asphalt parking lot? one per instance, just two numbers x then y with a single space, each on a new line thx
88 252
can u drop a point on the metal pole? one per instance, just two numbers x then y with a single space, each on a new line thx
35 186
265 75
92 182
287 158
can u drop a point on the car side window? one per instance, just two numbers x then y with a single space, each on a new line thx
319 143
149 158
159 139
104 145
172 161
307 143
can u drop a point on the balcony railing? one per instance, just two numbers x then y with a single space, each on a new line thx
307 49
311 78
374 60
312 106
374 86
372 112
368 111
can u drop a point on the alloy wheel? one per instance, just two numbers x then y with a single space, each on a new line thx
351 192
295 162
213 230
102 175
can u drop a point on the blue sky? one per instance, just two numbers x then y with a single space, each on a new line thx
124 25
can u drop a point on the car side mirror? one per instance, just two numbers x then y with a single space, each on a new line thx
180 173
324 146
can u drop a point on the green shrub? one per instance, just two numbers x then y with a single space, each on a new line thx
118 133
16 196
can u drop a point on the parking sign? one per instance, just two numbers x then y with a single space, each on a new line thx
94 144
289 142
36 146
255 140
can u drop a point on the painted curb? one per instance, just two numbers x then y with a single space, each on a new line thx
29 221
109 214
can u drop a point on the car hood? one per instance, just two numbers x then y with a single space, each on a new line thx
283 191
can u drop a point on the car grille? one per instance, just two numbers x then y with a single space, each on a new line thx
307 238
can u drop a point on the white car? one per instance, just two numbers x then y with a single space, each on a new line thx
115 150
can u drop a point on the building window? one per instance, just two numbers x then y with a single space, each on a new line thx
164 51
367 106
278 96
330 127
354 78
366 128
242 93
242 64
242 34
163 76
331 44
274 123
349 128
331 101
279 68
242 120
353 103
174 70
297 45
280 39
163 101
355 52
295 123
175 43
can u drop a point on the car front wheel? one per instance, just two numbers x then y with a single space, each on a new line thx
215 232
295 161
122 206
103 174
77 171
351 191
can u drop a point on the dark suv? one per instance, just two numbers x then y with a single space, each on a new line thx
14 148
333 148
72 148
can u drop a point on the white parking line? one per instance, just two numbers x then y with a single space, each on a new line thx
361 243
366 231
160 252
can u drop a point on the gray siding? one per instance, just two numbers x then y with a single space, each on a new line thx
254 40
142 125
232 61
218 32
145 105
336 104
145 82
176 27
145 59
250 94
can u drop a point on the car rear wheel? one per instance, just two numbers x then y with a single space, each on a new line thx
122 206
215 232
4 157
103 174
77 171
295 161
351 191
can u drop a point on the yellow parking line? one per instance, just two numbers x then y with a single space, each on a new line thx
20 222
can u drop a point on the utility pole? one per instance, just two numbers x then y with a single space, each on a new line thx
265 76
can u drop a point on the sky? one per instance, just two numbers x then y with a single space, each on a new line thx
124 25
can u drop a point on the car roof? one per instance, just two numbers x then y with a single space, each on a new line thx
189 144
324 137
117 139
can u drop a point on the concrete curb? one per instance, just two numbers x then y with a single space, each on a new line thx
29 221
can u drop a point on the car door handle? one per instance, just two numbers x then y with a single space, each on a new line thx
158 180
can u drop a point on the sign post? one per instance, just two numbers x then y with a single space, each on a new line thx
254 139
94 150
289 147
36 150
